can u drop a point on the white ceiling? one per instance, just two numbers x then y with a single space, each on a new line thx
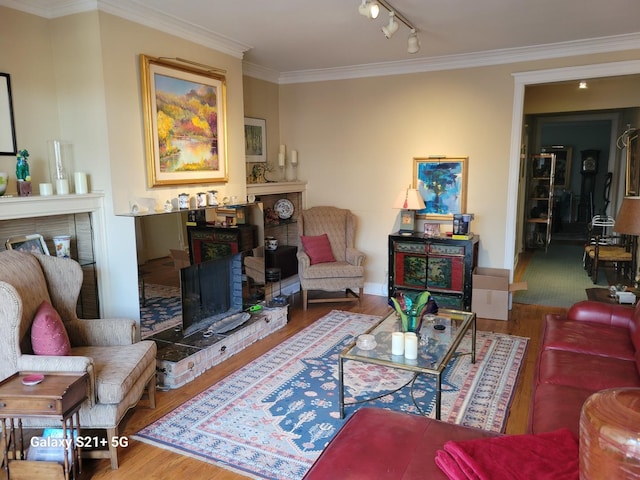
289 38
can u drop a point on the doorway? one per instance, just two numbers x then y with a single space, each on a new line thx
628 71
626 113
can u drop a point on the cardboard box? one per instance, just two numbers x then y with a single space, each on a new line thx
490 294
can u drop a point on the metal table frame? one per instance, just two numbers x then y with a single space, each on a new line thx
432 359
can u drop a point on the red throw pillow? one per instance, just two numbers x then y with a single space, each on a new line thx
48 335
318 248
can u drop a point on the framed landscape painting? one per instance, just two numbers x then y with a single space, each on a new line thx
185 123
442 183
255 139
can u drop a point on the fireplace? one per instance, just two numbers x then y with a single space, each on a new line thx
211 292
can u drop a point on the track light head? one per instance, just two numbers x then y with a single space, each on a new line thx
391 27
413 42
369 9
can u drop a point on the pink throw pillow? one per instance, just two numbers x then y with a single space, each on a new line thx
48 335
318 248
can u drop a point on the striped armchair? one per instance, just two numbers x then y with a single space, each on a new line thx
346 273
119 367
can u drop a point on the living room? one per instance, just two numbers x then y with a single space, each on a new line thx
77 77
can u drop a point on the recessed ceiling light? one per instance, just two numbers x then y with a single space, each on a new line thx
583 85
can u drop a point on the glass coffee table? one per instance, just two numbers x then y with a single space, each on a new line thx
435 348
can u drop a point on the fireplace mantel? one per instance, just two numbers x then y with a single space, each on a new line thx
272 188
13 207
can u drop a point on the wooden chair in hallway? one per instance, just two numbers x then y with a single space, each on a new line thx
605 247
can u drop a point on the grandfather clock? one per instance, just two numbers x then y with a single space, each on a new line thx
588 170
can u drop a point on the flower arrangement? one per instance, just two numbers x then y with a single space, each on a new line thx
411 307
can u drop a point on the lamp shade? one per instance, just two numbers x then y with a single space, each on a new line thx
628 220
409 199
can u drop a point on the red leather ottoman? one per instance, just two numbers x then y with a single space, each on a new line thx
387 445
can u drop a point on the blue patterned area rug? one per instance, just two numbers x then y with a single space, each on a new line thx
272 418
162 309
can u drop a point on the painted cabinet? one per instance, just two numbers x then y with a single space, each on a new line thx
442 265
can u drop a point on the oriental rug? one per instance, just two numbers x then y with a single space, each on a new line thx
162 309
272 418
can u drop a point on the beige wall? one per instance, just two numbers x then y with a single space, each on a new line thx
26 55
357 138
261 100
602 94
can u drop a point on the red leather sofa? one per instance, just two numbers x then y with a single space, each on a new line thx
385 445
594 347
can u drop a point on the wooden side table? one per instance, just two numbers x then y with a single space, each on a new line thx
58 396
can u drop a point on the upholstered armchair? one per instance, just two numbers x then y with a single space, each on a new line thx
41 291
327 258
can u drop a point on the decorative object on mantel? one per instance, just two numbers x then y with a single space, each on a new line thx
182 151
59 156
282 161
22 173
4 179
46 189
80 183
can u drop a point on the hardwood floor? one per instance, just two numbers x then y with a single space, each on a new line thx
140 460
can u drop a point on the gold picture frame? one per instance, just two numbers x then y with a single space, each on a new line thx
184 111
442 183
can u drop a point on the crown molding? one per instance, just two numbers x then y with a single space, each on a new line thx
52 8
131 10
261 73
468 60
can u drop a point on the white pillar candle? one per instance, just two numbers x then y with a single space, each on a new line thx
80 181
46 189
283 149
410 346
281 159
294 157
397 343
62 186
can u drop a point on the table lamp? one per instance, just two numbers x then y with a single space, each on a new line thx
408 201
628 223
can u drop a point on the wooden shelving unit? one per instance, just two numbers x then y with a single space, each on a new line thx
540 200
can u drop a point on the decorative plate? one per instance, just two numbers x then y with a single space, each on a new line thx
32 379
284 208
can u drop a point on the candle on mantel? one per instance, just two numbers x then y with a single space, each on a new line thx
281 159
283 149
294 157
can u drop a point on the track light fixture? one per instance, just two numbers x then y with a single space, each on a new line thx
371 9
392 27
413 43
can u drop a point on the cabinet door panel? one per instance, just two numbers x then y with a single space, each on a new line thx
410 270
445 273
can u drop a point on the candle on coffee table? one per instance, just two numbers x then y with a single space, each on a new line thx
397 343
410 346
